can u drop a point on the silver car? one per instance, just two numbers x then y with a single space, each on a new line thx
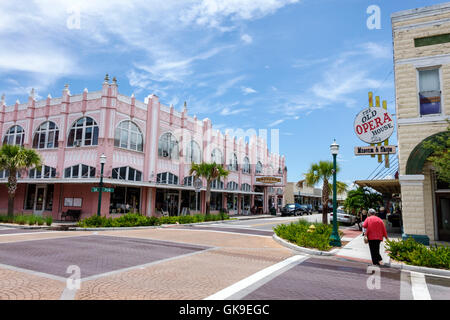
343 217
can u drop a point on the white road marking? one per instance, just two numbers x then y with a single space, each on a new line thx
419 286
255 278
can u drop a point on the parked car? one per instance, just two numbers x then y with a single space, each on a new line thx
343 217
330 208
292 209
306 209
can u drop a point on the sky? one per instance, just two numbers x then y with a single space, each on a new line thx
303 67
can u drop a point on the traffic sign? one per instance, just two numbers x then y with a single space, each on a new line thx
104 189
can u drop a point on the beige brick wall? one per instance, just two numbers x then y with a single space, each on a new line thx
413 209
404 39
289 193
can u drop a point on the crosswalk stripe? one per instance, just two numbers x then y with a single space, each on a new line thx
419 286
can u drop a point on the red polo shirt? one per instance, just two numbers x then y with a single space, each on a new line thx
375 229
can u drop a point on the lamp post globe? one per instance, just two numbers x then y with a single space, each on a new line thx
335 240
102 163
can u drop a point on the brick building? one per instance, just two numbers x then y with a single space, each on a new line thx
421 40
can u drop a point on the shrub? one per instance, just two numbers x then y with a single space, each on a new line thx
40 221
297 232
31 220
414 253
135 219
48 220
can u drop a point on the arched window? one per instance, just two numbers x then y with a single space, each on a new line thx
79 171
216 184
14 136
128 136
45 172
216 156
84 132
127 173
233 165
245 187
246 165
193 153
188 181
232 185
259 167
46 136
168 146
166 178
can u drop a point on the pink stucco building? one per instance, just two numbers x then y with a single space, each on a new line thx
149 149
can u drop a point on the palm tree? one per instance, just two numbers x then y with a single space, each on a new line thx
211 172
16 159
323 171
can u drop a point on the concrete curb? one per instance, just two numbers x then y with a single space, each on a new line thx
303 250
23 226
426 270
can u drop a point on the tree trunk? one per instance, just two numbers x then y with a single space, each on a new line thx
325 196
12 187
208 196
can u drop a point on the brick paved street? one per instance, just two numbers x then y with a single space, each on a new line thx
183 263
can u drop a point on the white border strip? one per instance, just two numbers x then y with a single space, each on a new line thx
419 286
253 279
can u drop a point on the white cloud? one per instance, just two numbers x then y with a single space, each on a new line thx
224 87
247 38
248 90
276 122
226 111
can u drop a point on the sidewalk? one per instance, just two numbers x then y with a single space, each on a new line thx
357 250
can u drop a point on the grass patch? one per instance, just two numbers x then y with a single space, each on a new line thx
417 254
138 220
297 233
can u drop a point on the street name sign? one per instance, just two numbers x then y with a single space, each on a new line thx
369 150
97 189
374 125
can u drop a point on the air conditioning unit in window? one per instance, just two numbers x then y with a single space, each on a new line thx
77 143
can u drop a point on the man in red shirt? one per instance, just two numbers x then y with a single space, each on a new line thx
375 231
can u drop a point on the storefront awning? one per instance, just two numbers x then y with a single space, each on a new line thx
382 186
109 181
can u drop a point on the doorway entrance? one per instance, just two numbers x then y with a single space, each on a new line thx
443 215
39 200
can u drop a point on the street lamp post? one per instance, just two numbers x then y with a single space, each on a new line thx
102 162
335 240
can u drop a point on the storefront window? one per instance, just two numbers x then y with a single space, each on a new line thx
167 202
125 199
216 201
31 193
39 200
232 203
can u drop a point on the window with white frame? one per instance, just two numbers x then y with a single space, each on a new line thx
127 173
79 171
429 91
84 132
233 164
44 172
216 184
259 168
246 165
245 187
188 181
216 156
14 136
128 136
193 152
232 186
46 136
166 178
168 146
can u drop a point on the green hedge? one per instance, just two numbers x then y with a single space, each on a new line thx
27 219
137 220
297 233
414 253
